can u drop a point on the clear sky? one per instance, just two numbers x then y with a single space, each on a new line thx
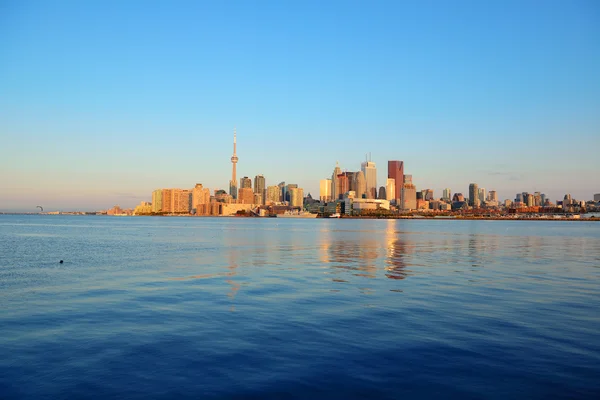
103 101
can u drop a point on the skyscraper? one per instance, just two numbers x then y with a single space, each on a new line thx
234 160
157 202
296 197
396 172
408 198
370 170
325 190
382 193
361 184
245 182
335 192
474 195
273 195
447 194
246 196
288 188
342 184
390 190
259 184
481 195
493 196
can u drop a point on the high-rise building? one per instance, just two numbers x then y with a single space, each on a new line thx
481 194
382 193
182 200
245 196
474 195
597 197
342 184
282 189
530 200
289 187
408 196
335 191
458 197
390 189
447 195
519 198
157 203
567 200
361 185
245 182
396 172
427 194
167 200
493 196
296 197
351 181
325 190
543 199
234 160
370 170
197 196
259 184
537 199
273 195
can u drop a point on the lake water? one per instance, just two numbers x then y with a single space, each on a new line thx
147 307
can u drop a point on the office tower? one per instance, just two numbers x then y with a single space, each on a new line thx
481 195
351 181
282 191
257 198
370 170
493 196
325 190
273 195
259 184
296 197
529 200
245 196
537 199
234 160
408 196
519 198
157 203
447 194
427 194
245 182
596 197
567 200
382 193
342 184
396 172
289 187
361 185
474 195
335 192
543 199
390 189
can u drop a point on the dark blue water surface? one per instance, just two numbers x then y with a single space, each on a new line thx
277 308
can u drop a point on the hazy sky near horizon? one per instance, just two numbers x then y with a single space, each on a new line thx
102 102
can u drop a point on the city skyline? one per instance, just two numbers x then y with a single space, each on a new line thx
94 114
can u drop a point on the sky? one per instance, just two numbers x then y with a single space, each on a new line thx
102 102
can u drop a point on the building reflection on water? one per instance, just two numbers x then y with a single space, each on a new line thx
397 251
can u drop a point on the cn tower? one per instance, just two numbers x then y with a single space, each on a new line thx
234 160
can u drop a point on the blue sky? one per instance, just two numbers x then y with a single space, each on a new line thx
102 102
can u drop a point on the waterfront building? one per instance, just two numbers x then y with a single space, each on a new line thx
144 208
335 191
273 195
245 182
296 197
259 184
182 201
355 206
382 193
474 195
369 169
288 195
325 190
245 196
361 184
396 172
342 184
481 195
234 161
408 197
198 196
157 202
167 201
390 189
447 194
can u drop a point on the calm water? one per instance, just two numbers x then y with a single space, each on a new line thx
280 308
